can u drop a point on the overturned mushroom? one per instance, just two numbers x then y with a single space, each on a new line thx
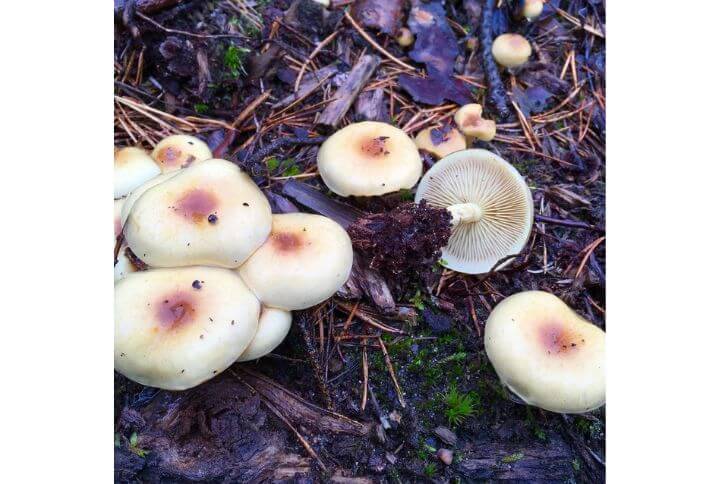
179 151
273 326
546 353
306 259
132 167
369 158
490 204
208 214
440 142
176 328
469 120
511 50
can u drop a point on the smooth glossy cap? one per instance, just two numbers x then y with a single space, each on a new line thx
273 326
546 353
369 158
306 259
176 328
132 167
208 214
491 206
180 151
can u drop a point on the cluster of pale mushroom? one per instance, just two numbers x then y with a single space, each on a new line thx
541 349
224 272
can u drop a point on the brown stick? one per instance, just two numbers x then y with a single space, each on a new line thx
347 93
400 396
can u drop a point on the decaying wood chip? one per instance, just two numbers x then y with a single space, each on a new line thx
371 106
348 92
313 199
446 435
309 83
384 15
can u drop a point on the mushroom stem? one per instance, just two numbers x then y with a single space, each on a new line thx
465 213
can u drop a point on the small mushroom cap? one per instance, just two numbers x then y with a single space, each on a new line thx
546 353
273 326
306 259
511 50
405 38
176 328
532 9
502 203
369 158
439 144
179 151
208 214
470 121
132 167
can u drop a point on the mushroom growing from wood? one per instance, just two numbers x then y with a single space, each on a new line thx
490 204
176 328
306 259
132 167
179 151
511 50
209 214
369 158
440 142
273 326
546 353
469 120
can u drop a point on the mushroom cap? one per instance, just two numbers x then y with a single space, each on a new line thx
208 214
369 158
179 151
532 9
511 50
306 259
132 167
176 328
439 144
469 119
546 353
273 326
131 199
479 177
405 38
123 265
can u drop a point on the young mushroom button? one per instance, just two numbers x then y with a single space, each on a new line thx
490 204
169 334
180 151
369 159
511 50
170 224
306 259
546 353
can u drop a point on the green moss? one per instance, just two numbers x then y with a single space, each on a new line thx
459 406
430 469
234 59
513 458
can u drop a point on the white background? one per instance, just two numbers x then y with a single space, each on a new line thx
666 271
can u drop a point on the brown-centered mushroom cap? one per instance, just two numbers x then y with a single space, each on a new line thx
176 328
511 50
369 158
132 167
469 119
546 353
180 151
490 204
306 259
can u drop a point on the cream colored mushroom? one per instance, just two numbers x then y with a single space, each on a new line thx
176 328
132 167
469 120
440 143
179 151
209 214
405 38
123 265
131 199
273 326
490 204
369 158
306 259
546 353
532 9
511 50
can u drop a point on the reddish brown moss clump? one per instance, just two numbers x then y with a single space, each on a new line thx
402 243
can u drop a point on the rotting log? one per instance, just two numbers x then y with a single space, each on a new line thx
348 92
